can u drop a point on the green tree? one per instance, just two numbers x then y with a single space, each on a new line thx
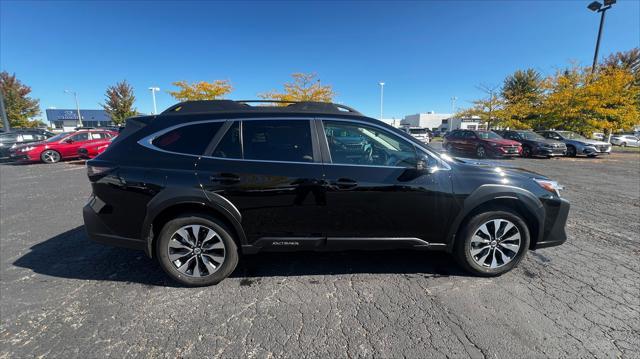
119 102
18 105
304 87
522 94
201 90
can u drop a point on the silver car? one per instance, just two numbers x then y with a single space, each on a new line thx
578 144
625 140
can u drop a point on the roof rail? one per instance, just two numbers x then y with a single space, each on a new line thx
243 105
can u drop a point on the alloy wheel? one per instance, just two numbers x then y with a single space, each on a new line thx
526 152
50 156
196 250
481 152
495 243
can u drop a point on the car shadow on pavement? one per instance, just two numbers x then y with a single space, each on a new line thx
72 255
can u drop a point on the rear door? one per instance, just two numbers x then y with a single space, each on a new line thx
271 171
70 145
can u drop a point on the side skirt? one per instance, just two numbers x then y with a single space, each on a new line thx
292 244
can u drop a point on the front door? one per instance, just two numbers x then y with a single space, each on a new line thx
375 191
270 170
73 143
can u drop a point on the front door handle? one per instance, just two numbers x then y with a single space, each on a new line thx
225 178
345 183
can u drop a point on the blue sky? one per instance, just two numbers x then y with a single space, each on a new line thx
426 52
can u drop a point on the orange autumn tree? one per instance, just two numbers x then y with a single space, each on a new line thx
304 87
201 90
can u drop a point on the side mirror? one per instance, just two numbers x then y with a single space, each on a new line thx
423 167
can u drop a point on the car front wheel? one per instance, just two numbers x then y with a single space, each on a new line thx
492 243
481 152
571 151
196 250
50 156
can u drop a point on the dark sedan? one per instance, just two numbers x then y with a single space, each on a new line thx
16 137
535 145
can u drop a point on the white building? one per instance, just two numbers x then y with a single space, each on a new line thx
468 123
430 120
395 122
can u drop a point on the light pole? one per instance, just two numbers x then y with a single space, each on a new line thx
381 98
3 113
75 94
153 95
453 104
596 6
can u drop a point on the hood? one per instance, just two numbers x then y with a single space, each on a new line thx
497 170
589 142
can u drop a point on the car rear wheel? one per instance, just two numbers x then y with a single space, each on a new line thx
481 152
196 250
50 156
623 144
492 243
571 151
526 151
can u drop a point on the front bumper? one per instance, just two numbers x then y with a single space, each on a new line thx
100 233
556 213
548 151
25 156
596 150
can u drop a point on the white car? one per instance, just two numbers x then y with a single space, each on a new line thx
625 140
419 133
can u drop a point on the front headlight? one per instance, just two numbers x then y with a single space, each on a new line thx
548 185
25 149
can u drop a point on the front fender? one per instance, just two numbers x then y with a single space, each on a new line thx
495 192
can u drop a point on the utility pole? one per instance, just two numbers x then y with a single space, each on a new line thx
381 98
153 95
596 6
3 112
75 94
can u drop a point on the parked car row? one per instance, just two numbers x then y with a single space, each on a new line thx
525 143
50 148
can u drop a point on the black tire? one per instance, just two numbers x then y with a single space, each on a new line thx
526 152
223 270
481 152
571 151
447 148
623 144
463 246
50 156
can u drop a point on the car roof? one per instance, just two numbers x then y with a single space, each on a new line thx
243 106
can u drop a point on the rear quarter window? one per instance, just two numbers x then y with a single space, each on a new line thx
189 139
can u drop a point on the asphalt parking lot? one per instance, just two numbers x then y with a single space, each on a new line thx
63 296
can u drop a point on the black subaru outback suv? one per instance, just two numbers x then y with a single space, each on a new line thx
207 181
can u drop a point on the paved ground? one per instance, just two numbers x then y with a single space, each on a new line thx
63 296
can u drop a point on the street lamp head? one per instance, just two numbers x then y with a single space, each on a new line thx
594 6
154 88
381 83
609 2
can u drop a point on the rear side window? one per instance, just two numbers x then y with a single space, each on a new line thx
277 140
190 139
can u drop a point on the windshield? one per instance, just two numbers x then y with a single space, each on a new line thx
418 131
488 135
57 137
571 135
530 135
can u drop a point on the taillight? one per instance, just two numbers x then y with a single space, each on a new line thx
96 171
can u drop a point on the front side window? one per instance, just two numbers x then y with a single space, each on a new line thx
358 144
189 139
277 140
83 136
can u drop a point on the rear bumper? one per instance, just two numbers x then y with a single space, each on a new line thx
554 234
99 232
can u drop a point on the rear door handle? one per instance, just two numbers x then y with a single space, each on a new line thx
225 178
345 183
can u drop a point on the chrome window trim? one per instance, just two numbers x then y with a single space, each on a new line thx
147 142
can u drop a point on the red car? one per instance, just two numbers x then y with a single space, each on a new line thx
62 146
93 149
481 144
